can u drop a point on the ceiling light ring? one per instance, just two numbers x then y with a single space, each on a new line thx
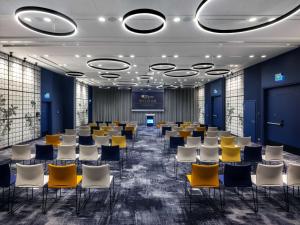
125 83
193 73
144 11
51 12
245 29
110 75
202 66
171 66
74 74
89 64
217 72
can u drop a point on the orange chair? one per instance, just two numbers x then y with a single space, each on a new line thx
99 133
160 123
120 141
53 140
231 154
227 141
185 134
200 129
116 122
61 177
106 128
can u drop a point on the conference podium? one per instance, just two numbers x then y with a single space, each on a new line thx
150 120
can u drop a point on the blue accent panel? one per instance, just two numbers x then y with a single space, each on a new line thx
90 106
250 119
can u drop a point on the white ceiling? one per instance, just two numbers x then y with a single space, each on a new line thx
109 39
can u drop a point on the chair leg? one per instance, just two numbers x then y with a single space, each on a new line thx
76 201
46 197
190 197
254 203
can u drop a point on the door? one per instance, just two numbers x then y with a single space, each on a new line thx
216 111
46 118
250 119
282 118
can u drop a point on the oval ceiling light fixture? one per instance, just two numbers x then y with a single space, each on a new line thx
170 86
20 12
217 72
178 73
144 12
110 75
74 74
162 66
122 65
202 66
203 3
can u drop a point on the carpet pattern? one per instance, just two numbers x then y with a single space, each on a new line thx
149 194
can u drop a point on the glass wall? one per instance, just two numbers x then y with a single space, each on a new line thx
235 103
19 101
201 104
82 102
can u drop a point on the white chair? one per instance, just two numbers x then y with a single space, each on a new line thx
88 153
212 133
193 142
98 177
70 132
101 140
30 176
291 179
209 154
184 155
21 152
68 140
273 154
84 132
113 133
267 176
243 141
212 129
66 153
224 133
210 141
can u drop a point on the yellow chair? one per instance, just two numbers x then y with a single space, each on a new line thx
116 122
227 141
200 129
119 140
99 133
185 134
53 140
160 123
187 123
231 154
61 177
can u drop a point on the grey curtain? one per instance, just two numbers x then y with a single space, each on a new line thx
113 104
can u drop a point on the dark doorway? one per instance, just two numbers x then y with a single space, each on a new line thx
250 119
216 111
46 121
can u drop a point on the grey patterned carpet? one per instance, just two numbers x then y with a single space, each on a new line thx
148 193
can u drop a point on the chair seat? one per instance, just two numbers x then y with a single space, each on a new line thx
189 178
284 178
79 179
32 156
271 160
87 159
253 179
66 159
46 178
220 158
100 186
185 161
209 161
221 179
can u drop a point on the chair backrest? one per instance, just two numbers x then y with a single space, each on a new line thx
212 129
128 134
86 140
170 133
99 133
53 140
293 174
224 133
4 175
110 153
205 175
193 142
84 127
84 132
197 133
189 129
210 141
274 152
44 152
177 129
186 154
114 133
30 175
200 129
164 129
209 154
243 141
176 141
95 176
88 152
184 133
101 140
62 176
253 153
237 175
66 152
231 154
268 175
227 141
21 152
70 132
212 133
119 140
68 140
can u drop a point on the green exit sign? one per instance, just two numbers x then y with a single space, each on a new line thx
279 77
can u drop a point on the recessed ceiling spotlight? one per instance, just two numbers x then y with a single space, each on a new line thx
207 56
136 72
46 56
176 19
88 56
120 56
219 56
134 65
263 56
77 56
251 56
27 19
163 56
120 19
47 19
128 72
176 56
132 56
101 19
252 19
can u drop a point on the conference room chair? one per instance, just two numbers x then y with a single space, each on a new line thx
210 141
118 128
86 140
53 140
70 132
108 123
200 129
97 177
44 153
164 129
106 128
66 153
236 176
112 154
224 133
7 180
230 154
212 129
113 133
202 177
184 155
84 127
102 125
68 140
194 142
227 141
122 125
84 132
191 129
168 135
129 136
94 128
29 177
184 134
243 141
208 154
291 179
177 129
268 176
197 133
176 141
101 140
273 154
179 123
121 142
63 177
252 154
212 133
99 133
98 123
22 153
116 122
89 153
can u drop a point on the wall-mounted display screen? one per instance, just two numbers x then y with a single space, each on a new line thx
147 100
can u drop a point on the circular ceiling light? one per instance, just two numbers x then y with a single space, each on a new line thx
240 30
121 64
217 72
144 12
74 74
110 75
202 66
181 73
27 23
162 66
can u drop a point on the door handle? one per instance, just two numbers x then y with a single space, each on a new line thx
214 115
276 124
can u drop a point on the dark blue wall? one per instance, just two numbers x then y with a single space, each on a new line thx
90 106
61 91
